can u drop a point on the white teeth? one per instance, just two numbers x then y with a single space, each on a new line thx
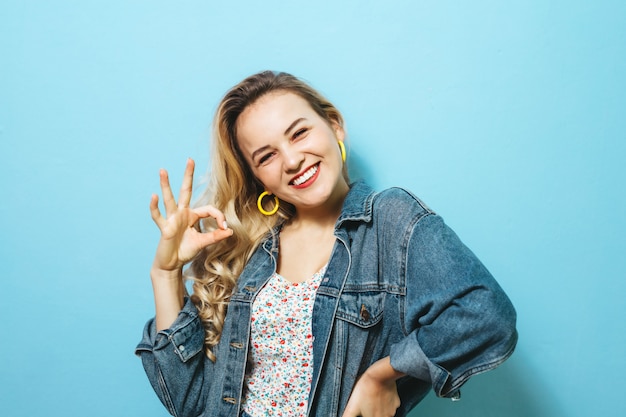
306 176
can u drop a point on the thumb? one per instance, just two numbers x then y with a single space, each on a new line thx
221 234
215 236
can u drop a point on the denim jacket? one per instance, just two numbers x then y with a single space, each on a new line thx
399 283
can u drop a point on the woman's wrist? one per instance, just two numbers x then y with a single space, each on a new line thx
169 295
383 372
159 274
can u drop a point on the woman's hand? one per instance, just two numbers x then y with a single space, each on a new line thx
375 393
180 242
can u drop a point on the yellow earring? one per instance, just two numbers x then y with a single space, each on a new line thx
343 151
260 206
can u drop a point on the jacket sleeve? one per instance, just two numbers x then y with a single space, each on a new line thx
458 321
175 362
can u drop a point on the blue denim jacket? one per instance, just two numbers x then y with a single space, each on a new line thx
399 283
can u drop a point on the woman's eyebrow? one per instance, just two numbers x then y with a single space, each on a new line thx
295 122
258 151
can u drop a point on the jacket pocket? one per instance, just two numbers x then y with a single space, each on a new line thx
361 308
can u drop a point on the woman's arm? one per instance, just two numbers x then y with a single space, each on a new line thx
172 347
459 321
375 393
169 294
180 242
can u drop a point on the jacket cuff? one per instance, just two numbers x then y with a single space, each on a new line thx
408 357
185 335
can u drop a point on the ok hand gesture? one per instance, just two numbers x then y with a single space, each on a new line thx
180 242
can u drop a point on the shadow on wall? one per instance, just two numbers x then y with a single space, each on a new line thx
358 169
508 391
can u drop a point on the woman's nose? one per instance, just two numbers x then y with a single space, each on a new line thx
292 159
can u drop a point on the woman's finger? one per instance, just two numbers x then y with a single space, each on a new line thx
186 189
210 211
155 212
215 236
168 197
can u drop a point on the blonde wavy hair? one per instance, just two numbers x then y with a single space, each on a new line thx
234 190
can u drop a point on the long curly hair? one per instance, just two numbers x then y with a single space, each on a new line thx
234 190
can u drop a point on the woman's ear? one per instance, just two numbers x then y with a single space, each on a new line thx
339 132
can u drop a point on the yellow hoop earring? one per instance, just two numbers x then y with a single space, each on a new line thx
260 206
343 151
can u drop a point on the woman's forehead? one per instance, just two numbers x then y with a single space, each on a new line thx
273 113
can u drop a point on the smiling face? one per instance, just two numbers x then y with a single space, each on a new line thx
292 151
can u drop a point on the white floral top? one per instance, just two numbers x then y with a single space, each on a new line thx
281 348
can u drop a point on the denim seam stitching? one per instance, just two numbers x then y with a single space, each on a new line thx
410 230
169 404
461 379
328 339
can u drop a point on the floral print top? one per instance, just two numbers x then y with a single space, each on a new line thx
281 348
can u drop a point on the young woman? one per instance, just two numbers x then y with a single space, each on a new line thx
311 296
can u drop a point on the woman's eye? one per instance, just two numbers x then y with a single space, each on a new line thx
265 158
299 133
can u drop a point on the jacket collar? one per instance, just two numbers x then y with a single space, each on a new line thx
358 203
356 207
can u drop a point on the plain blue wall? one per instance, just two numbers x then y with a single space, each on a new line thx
505 117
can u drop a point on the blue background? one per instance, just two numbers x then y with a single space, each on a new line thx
507 118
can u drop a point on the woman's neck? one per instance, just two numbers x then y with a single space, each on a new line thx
324 216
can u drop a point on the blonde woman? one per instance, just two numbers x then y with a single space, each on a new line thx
311 296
